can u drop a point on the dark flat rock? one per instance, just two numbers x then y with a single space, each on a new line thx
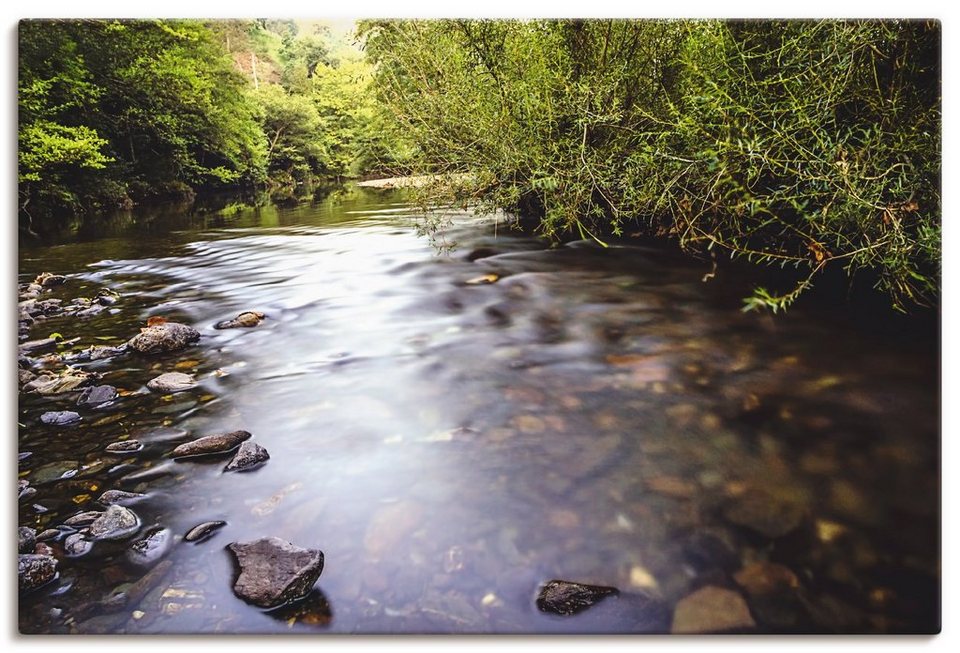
34 570
37 345
274 572
97 396
60 418
116 523
124 446
211 444
249 456
26 539
566 598
166 337
171 382
120 497
203 531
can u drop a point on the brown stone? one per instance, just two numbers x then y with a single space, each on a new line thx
766 578
211 444
711 610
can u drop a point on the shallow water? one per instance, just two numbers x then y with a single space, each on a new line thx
595 415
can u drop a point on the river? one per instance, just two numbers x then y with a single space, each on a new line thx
455 428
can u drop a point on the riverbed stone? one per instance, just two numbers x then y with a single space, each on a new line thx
211 444
34 570
764 515
171 382
98 396
120 497
116 523
76 545
67 380
26 539
274 571
49 279
711 609
83 518
162 338
124 447
766 579
60 418
247 319
204 531
566 598
249 456
54 471
151 547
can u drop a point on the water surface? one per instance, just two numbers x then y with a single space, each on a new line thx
450 446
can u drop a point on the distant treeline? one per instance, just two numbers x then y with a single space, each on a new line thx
113 113
793 143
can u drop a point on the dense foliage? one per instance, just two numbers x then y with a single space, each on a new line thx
117 112
802 144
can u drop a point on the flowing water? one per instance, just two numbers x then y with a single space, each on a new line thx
594 415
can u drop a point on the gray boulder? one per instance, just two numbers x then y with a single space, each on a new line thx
115 524
172 382
274 572
249 456
165 337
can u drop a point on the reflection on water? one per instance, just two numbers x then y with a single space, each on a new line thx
595 415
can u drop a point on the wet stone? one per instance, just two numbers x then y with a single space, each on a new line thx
26 539
60 418
712 610
119 497
706 552
34 570
566 598
249 456
116 523
124 446
76 545
171 382
166 337
766 579
247 319
97 396
274 572
54 471
48 279
150 548
83 518
764 515
203 531
211 444
144 475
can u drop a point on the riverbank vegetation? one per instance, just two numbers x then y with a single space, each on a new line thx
809 146
115 113
805 145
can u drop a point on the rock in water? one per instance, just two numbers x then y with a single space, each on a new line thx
119 497
764 514
274 572
249 456
83 518
34 570
76 545
566 598
47 279
711 610
149 549
26 539
124 446
165 337
97 396
201 532
211 444
246 319
172 382
115 524
60 418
